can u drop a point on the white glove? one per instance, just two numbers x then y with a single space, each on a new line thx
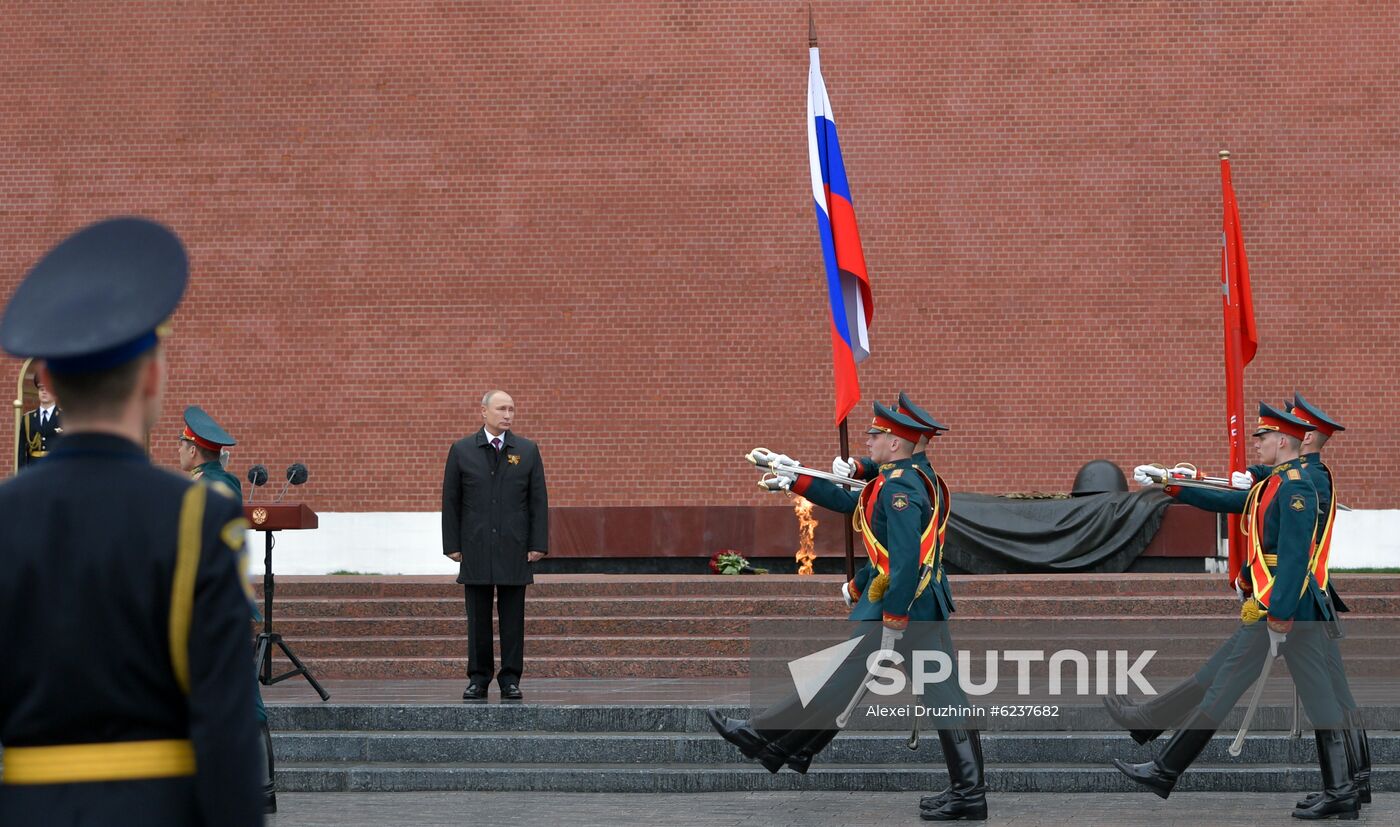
1239 590
844 467
777 461
889 637
1276 640
846 595
775 483
1241 479
786 476
1184 472
1148 474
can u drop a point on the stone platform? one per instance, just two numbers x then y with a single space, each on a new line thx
655 626
625 736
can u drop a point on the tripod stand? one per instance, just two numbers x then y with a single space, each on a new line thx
269 639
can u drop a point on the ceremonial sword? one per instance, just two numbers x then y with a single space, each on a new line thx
845 717
1237 746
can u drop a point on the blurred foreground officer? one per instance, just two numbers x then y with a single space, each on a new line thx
130 697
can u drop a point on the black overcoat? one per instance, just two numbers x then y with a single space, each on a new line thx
494 509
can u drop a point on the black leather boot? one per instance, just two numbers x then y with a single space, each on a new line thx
967 798
1338 792
801 758
933 802
1358 751
738 732
270 785
1161 773
1146 721
1361 770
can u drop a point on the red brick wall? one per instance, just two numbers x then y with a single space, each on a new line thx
604 208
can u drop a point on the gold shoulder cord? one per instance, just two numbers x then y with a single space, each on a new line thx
182 589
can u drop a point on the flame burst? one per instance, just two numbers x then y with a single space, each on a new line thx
806 534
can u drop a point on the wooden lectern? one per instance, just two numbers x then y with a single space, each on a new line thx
267 518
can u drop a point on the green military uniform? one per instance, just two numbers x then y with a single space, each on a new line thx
215 475
1282 515
132 697
204 432
897 515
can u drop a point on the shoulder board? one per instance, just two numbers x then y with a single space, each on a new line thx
896 473
222 487
232 533
1293 474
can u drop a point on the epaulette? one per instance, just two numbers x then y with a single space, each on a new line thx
896 473
1293 474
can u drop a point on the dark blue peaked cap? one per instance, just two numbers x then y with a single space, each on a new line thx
202 426
95 301
907 406
1303 409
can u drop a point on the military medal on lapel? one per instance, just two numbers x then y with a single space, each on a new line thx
514 459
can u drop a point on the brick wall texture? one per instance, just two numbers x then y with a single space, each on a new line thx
604 207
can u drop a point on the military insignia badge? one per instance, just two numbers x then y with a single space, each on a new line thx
900 502
514 459
896 473
1297 503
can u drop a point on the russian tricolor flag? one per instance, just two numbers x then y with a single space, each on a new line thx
847 284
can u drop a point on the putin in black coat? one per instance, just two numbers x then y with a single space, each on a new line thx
495 524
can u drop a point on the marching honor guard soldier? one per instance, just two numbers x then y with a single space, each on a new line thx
131 701
40 429
202 444
901 515
1146 721
1285 614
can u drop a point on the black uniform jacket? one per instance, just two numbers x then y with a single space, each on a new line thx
494 509
88 542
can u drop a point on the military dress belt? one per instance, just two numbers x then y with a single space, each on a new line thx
115 761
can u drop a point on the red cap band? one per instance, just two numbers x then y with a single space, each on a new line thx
203 443
1322 427
891 427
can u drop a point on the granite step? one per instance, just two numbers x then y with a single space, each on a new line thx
698 778
777 585
1080 748
1056 606
681 718
640 665
558 646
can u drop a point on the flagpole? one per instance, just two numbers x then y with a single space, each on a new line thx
850 525
1234 360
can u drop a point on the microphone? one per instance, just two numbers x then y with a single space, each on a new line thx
296 475
257 475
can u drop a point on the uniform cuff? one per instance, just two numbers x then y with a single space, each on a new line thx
1280 626
1171 490
853 591
897 622
801 484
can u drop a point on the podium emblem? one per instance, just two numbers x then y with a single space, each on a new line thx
259 516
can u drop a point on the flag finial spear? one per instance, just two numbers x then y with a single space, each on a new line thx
811 29
1224 154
